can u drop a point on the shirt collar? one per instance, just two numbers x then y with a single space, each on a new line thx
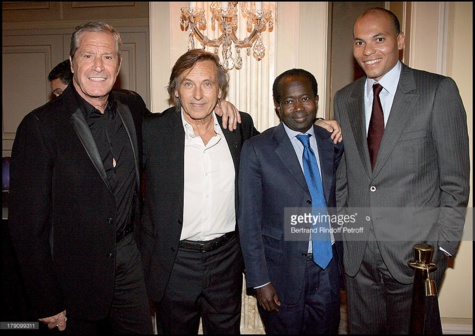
189 128
87 109
389 81
292 134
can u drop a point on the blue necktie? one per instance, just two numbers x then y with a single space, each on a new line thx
321 244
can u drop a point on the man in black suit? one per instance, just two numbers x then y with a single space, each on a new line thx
188 239
74 197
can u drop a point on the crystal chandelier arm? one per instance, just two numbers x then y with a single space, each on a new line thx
193 19
206 41
248 41
245 43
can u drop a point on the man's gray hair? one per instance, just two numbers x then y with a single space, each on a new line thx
94 27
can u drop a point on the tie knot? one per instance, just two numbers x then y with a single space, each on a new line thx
304 139
377 89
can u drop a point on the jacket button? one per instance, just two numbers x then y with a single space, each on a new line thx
111 220
372 188
309 201
110 255
172 248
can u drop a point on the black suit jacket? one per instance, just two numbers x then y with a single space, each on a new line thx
62 212
164 146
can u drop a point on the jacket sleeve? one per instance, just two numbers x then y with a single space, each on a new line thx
29 215
250 216
449 132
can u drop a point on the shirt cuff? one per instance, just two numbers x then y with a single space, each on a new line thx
261 285
446 253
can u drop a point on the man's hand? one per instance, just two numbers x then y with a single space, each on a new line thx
229 113
267 298
58 320
333 127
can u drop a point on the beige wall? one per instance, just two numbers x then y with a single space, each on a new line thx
441 41
456 297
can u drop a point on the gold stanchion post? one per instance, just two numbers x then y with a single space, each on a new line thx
423 286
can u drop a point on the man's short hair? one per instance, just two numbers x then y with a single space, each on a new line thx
61 71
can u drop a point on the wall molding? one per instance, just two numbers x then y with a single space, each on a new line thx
457 326
132 22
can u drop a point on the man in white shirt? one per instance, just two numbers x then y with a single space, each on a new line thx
192 259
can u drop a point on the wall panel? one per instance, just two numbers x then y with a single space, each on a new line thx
36 36
26 62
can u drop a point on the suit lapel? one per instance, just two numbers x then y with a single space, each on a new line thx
84 133
325 155
128 122
286 153
174 135
400 111
356 118
234 141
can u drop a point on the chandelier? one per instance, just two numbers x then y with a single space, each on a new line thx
226 14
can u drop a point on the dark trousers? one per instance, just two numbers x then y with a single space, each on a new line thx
205 285
318 309
130 308
377 303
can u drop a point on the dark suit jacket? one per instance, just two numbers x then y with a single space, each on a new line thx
271 180
164 146
59 194
419 188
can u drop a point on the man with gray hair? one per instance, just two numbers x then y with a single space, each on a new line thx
75 196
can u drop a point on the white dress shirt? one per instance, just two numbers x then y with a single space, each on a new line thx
209 208
389 82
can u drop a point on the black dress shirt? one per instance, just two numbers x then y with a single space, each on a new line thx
113 142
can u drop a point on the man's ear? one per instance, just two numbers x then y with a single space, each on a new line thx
120 64
401 40
277 110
